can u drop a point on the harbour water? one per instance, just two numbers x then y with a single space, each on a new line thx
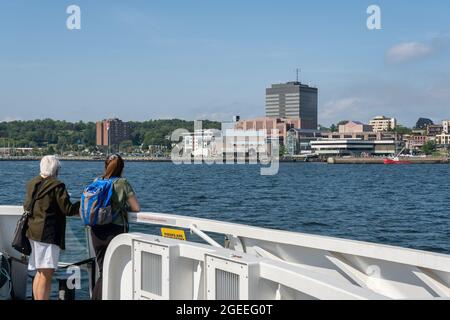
405 206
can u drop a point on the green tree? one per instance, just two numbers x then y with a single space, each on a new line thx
429 147
343 122
74 136
322 128
402 130
422 123
282 151
333 128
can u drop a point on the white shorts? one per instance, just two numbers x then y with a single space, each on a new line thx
43 256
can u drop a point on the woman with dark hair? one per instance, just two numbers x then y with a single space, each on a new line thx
123 200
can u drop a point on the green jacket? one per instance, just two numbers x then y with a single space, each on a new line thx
48 221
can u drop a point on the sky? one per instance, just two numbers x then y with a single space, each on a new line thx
210 59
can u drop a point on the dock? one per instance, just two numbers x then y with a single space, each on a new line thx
379 160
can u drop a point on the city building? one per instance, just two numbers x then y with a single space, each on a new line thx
229 125
231 142
354 147
415 141
204 143
359 130
293 100
111 132
443 139
298 141
419 132
368 135
340 147
382 123
350 127
386 147
252 143
446 126
434 129
269 124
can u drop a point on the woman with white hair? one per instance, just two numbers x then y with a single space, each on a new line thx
49 203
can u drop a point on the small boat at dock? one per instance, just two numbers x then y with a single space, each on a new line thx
395 160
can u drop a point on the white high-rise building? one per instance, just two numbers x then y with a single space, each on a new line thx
382 123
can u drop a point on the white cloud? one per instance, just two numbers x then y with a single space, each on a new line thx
404 101
348 107
408 51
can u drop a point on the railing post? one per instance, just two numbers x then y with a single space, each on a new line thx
204 236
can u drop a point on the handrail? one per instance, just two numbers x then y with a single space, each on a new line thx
431 260
423 259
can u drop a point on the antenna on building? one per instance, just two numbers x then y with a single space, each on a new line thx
298 73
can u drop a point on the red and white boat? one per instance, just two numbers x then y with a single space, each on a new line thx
395 160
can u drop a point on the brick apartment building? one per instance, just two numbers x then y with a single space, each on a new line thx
111 132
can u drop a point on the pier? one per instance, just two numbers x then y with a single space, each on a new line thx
379 160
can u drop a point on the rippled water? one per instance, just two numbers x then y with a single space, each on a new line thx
399 205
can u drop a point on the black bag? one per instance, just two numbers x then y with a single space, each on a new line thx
20 240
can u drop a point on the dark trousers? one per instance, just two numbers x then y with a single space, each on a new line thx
101 237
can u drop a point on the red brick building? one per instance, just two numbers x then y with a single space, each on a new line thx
112 132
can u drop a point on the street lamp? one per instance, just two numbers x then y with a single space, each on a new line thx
109 137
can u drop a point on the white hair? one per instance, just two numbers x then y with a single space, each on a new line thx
50 166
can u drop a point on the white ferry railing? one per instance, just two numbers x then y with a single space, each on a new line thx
141 266
420 258
388 270
385 270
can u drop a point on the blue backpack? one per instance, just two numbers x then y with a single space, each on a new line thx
95 208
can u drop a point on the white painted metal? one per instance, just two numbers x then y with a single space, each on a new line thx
8 219
226 279
259 278
204 236
289 265
151 271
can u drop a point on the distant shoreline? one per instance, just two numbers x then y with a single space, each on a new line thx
287 159
146 159
87 159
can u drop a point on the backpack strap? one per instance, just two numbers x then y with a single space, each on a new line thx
110 191
113 180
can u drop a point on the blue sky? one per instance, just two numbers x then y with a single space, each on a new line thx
211 59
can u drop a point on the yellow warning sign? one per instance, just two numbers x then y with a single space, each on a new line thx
173 233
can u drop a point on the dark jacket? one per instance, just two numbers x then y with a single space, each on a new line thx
48 221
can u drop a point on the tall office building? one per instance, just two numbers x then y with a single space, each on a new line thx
293 100
112 132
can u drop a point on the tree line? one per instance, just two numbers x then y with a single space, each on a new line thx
64 135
